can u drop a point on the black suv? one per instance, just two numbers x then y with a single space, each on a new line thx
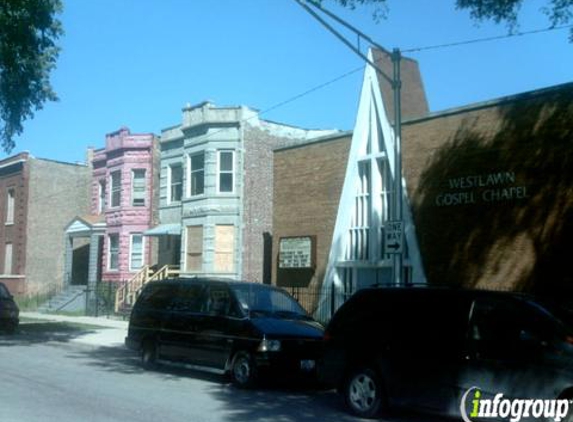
437 349
9 312
239 328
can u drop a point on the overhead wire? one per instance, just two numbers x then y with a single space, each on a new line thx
486 39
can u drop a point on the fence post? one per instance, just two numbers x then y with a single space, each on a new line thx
332 300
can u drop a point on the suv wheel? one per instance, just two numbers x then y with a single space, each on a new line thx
243 370
148 354
363 393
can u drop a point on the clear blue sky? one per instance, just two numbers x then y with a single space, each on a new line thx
136 63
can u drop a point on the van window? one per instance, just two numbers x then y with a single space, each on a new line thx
266 300
4 293
429 325
157 296
189 299
219 301
505 329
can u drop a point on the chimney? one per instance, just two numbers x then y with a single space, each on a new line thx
414 102
90 157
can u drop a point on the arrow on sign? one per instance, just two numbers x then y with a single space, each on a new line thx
394 246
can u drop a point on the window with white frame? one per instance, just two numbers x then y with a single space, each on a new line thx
11 194
225 171
175 182
8 258
137 246
138 187
197 174
101 197
115 191
113 252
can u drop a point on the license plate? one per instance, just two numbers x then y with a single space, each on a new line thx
307 365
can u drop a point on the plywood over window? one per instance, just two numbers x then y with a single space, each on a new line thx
224 248
194 258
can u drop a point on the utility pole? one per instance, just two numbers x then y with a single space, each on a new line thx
398 212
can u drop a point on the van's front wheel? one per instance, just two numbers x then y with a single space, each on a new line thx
243 370
149 354
363 393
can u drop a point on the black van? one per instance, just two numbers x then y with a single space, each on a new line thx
9 312
437 349
234 327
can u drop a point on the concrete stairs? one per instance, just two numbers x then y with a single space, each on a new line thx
71 299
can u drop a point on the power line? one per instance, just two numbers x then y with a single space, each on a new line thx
309 91
486 39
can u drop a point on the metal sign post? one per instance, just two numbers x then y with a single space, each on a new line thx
397 215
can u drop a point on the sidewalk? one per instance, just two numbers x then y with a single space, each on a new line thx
105 333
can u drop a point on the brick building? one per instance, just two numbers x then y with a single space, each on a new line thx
307 186
216 191
488 200
38 199
491 191
107 244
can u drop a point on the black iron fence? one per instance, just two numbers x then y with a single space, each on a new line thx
105 297
320 301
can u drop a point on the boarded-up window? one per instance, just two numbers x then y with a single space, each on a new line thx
224 248
194 248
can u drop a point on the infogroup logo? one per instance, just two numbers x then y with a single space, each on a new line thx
512 409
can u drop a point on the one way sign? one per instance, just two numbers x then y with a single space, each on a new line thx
394 237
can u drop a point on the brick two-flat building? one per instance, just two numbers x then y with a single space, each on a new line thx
38 199
107 244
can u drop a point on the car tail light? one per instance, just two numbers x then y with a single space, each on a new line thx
327 336
569 339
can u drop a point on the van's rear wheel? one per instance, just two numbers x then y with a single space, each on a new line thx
149 354
243 370
363 393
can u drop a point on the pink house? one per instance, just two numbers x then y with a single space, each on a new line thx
122 191
122 208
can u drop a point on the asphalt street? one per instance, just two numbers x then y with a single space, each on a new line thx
53 371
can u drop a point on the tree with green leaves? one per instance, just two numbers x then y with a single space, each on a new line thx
558 12
29 30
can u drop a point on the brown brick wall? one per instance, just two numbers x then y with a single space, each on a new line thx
307 186
58 193
14 177
491 189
